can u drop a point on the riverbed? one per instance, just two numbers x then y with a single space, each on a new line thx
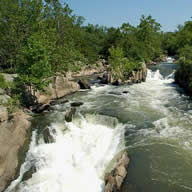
151 120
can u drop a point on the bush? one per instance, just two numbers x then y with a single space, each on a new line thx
121 67
13 104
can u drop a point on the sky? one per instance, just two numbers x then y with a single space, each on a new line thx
169 13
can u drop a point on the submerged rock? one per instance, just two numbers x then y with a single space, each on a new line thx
76 104
115 179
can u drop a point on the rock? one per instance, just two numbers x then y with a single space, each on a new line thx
123 160
48 138
114 179
105 78
119 181
109 188
84 84
121 171
58 88
76 104
13 141
116 83
69 114
3 114
41 108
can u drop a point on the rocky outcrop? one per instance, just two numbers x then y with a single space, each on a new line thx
115 179
99 67
12 141
59 87
136 76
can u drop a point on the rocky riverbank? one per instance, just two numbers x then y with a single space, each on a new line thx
13 144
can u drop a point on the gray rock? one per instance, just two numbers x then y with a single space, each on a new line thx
42 108
3 114
124 160
114 179
121 171
119 181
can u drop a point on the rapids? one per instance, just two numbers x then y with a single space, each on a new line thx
152 120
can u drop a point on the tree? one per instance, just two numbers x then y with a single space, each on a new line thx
34 67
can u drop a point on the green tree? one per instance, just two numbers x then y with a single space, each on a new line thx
34 67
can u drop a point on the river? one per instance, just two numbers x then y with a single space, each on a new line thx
152 120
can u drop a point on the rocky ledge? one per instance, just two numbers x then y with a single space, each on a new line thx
136 76
14 143
115 179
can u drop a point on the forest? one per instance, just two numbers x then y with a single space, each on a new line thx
40 38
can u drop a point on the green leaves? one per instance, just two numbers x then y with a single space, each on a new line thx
34 67
121 66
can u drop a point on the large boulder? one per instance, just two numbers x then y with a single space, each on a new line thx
59 87
13 143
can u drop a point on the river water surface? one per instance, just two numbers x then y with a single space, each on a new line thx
152 120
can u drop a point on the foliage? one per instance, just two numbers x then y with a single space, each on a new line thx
39 38
13 104
121 66
34 66
7 86
3 83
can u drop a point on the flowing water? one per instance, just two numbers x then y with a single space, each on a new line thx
152 120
